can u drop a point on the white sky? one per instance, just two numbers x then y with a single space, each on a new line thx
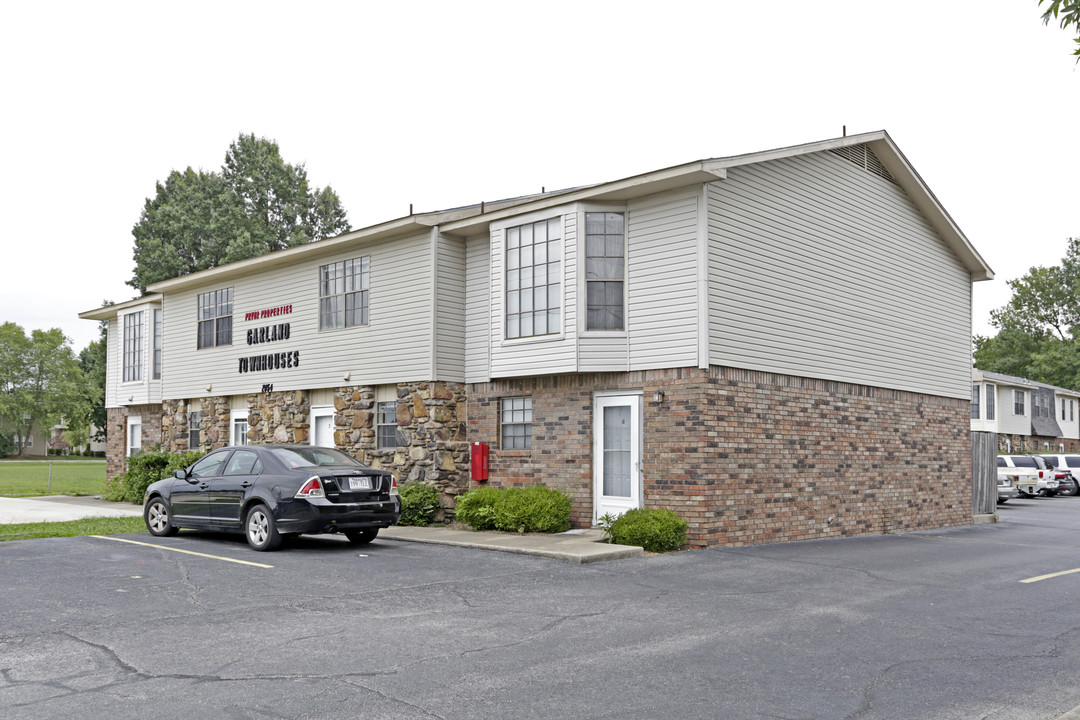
449 103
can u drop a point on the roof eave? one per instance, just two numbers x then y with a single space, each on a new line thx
108 312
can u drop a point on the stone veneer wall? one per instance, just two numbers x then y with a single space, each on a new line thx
279 417
116 434
1034 444
750 457
431 417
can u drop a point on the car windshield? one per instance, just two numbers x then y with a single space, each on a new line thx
309 457
1024 461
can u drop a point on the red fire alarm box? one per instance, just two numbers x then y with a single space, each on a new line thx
479 467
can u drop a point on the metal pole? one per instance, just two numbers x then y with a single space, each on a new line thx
49 489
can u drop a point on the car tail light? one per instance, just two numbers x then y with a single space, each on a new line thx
312 488
393 485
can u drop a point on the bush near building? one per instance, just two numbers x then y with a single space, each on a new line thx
655 529
419 503
533 508
144 469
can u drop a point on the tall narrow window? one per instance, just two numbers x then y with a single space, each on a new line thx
975 402
343 293
215 318
194 430
533 278
157 343
239 427
605 270
387 433
134 435
1062 408
991 395
133 347
1018 402
516 423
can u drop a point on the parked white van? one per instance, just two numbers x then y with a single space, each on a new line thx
1031 475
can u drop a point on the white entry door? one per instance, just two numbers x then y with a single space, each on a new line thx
322 427
616 454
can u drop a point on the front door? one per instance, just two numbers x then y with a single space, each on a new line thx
322 427
616 454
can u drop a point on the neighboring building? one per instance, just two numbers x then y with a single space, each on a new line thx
1026 416
776 346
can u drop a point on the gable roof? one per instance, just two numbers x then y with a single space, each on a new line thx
474 219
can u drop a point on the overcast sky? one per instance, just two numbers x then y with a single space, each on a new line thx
449 103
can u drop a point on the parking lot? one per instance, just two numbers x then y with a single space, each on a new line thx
972 622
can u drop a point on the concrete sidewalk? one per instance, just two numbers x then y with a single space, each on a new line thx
576 546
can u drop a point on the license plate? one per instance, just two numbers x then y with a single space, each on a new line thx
360 483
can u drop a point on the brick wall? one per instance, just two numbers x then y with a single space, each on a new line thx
750 457
116 434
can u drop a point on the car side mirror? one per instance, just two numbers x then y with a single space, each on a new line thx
181 475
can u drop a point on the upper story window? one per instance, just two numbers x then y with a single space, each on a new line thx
343 293
991 394
215 318
605 271
533 278
133 324
975 402
1018 402
157 344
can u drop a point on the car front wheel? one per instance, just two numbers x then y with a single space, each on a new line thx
362 537
261 529
158 518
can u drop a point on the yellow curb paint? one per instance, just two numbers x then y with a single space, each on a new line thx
186 552
1051 575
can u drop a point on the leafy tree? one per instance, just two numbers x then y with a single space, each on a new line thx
1039 329
41 383
1067 14
258 203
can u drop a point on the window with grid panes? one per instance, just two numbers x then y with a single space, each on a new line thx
194 430
387 432
1018 402
604 270
215 318
516 423
133 347
343 293
991 393
533 278
157 344
974 402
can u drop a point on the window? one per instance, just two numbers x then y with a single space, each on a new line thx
157 344
1001 462
133 347
1062 408
134 435
975 402
604 271
1071 410
991 395
343 293
243 462
1018 402
516 423
239 427
194 430
387 432
215 318
533 278
209 465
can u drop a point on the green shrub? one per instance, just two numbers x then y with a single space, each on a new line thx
655 529
144 469
534 508
419 503
7 445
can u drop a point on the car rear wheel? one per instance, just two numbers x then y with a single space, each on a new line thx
1071 489
362 537
261 529
158 518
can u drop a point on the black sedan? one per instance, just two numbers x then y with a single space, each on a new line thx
270 491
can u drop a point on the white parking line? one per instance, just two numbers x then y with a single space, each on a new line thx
1051 575
186 552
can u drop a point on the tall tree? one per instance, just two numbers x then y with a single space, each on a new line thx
258 203
41 383
1067 14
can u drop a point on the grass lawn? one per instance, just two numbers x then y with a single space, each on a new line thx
72 528
69 477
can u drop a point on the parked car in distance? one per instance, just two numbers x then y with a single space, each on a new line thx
1066 463
1005 488
270 491
1030 474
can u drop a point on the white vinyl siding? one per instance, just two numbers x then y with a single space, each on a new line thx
662 280
818 268
1008 422
450 309
145 390
1070 426
395 346
478 319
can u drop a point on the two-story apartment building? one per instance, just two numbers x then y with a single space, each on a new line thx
774 345
1026 416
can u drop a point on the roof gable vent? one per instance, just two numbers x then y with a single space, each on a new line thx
865 158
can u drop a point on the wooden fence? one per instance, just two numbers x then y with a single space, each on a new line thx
984 473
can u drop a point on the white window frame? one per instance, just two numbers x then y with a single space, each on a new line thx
236 417
364 291
526 420
217 306
157 335
584 269
558 221
976 404
497 259
990 401
399 441
133 421
132 347
1019 400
